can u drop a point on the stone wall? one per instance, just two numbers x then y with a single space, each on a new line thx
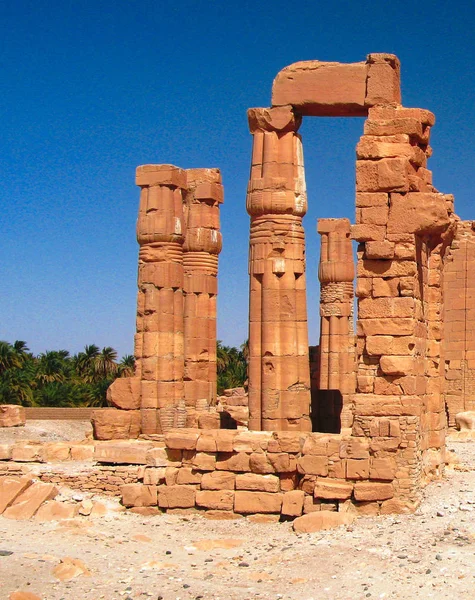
459 321
286 473
241 472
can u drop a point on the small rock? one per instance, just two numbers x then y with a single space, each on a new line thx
6 552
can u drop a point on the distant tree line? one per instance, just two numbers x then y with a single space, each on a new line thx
57 379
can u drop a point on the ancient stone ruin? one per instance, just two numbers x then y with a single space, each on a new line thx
356 424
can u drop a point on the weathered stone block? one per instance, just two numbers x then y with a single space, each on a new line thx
132 452
238 462
257 502
292 503
137 494
176 496
111 424
188 476
6 451
82 452
215 500
27 452
332 489
27 503
181 439
56 511
313 465
322 88
124 393
11 487
371 491
218 480
12 415
254 482
321 520
204 461
357 469
56 451
382 468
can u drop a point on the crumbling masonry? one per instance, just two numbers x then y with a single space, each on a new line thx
363 425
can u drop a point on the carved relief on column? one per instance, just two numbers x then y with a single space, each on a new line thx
159 338
279 396
202 245
337 340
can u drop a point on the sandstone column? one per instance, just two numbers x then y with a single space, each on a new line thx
337 339
200 260
279 378
159 338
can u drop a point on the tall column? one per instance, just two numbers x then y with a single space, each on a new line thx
200 260
337 339
279 377
159 338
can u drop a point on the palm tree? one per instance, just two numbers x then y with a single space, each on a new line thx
9 358
17 386
106 362
231 366
222 356
52 366
85 362
126 366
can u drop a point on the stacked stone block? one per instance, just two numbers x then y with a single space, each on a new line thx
401 221
337 379
175 343
279 376
202 245
159 341
278 473
459 321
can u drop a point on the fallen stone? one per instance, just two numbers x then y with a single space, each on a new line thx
27 503
69 568
85 507
56 511
465 421
11 488
318 521
213 544
19 595
12 415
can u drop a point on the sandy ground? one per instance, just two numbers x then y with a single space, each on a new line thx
427 555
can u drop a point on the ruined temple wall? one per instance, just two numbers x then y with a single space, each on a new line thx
459 320
401 223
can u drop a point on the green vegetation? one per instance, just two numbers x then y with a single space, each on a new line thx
231 365
54 378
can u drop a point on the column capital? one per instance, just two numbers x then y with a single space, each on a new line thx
169 175
281 119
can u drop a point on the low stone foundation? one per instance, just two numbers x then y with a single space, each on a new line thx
230 472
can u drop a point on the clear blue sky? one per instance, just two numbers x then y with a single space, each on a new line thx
93 88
